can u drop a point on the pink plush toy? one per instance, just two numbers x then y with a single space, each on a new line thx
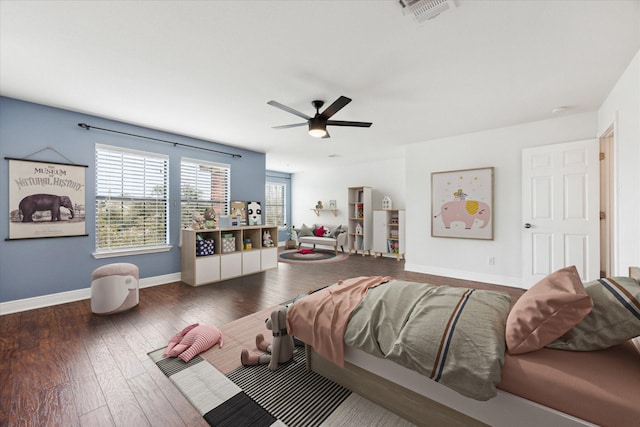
193 340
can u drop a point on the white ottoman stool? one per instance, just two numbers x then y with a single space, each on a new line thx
114 288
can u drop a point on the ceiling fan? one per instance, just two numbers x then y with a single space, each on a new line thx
318 123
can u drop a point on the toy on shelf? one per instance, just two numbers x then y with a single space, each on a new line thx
267 242
386 203
247 244
210 218
198 221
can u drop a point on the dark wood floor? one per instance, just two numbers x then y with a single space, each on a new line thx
64 366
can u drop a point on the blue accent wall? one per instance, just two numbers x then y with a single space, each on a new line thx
36 267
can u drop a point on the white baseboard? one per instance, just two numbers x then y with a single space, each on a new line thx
77 295
465 275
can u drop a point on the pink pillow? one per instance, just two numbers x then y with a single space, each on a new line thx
319 231
193 340
546 311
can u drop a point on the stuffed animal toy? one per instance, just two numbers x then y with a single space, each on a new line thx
266 239
193 340
281 349
210 218
198 221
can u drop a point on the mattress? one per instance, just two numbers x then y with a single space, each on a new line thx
602 386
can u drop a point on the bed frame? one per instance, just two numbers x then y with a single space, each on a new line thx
427 403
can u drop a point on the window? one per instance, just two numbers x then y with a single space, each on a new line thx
275 209
203 185
131 199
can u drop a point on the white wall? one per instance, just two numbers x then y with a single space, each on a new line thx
386 178
500 148
622 109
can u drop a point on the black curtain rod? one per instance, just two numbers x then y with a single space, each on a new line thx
88 127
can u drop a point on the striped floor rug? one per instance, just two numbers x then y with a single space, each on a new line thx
212 394
255 396
292 394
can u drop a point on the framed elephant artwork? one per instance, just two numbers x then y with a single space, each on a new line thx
462 204
46 199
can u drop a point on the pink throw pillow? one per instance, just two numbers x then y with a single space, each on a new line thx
546 311
319 232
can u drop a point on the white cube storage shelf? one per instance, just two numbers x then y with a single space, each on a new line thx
269 258
229 258
251 262
231 266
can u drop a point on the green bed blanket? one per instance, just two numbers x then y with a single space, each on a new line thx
452 335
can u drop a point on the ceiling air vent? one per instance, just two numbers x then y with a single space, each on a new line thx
423 10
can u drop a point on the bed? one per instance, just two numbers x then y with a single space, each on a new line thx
540 380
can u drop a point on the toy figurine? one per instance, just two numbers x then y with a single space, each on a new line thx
198 221
267 242
280 350
210 218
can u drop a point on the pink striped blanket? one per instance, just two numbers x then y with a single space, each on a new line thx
320 319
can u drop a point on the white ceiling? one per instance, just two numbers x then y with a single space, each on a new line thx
207 68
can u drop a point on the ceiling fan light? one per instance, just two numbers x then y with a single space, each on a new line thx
316 129
318 133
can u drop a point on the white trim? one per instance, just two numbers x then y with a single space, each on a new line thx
465 275
77 295
135 251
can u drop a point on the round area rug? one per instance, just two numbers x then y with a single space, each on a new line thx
318 256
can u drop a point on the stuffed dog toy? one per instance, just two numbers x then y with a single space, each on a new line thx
281 349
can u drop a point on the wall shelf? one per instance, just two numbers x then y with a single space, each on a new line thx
333 211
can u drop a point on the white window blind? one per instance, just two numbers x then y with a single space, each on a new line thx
275 204
131 199
203 185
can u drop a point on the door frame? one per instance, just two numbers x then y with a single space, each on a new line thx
607 205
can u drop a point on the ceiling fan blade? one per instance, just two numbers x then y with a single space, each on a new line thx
326 136
288 109
337 105
295 125
346 123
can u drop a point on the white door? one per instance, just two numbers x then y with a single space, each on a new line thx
560 218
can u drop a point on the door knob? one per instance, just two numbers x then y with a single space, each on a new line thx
527 225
